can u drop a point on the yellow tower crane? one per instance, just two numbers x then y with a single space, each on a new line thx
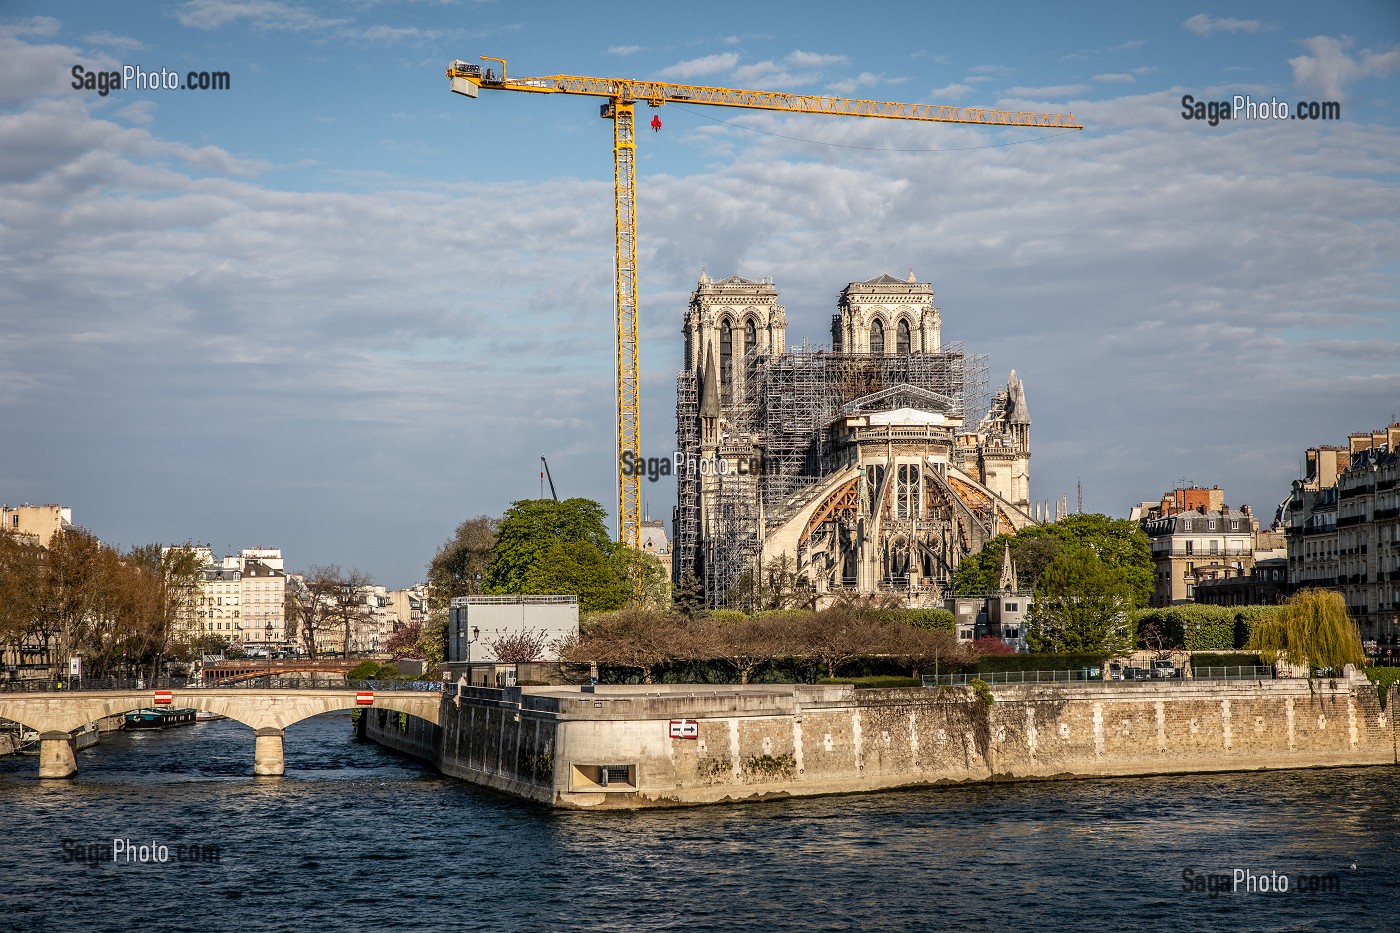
621 95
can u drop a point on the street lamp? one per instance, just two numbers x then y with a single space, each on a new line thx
467 647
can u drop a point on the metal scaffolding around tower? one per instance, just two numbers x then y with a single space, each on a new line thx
685 522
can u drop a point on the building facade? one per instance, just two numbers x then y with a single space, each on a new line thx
1343 526
242 598
36 523
1195 539
855 462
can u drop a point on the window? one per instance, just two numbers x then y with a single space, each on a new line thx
901 337
1190 547
1012 607
877 336
750 337
726 354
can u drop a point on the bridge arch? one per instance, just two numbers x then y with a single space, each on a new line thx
267 712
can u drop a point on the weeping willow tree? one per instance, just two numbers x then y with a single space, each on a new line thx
1313 629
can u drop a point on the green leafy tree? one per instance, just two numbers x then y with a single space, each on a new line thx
1082 605
576 568
1312 629
532 527
1118 543
644 578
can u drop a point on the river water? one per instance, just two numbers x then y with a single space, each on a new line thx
356 837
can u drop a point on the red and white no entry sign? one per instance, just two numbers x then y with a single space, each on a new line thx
364 698
164 697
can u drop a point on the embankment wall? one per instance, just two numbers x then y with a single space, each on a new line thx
614 746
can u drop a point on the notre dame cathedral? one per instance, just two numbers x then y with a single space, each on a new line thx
855 461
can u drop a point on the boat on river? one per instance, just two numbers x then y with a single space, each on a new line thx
205 715
156 718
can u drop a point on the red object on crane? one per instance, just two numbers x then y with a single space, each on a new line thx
656 123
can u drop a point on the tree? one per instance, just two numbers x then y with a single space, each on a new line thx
21 573
777 585
519 648
531 527
839 634
632 639
342 593
688 597
1082 605
643 578
1313 629
1118 543
747 643
307 612
405 642
576 568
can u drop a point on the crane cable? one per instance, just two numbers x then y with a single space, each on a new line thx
818 142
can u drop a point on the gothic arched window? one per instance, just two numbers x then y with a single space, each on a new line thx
750 336
726 354
877 336
901 337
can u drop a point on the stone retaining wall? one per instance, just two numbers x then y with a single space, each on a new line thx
613 747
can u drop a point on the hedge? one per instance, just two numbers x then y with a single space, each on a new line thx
1198 627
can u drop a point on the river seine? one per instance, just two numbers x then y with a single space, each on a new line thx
355 837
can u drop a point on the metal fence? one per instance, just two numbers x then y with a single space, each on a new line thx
277 682
1077 675
1233 673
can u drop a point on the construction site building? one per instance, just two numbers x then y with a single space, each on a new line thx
853 460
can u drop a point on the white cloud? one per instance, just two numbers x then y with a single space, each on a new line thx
260 14
1114 79
111 41
43 26
699 67
624 49
949 92
800 59
1045 93
1329 68
1203 25
389 35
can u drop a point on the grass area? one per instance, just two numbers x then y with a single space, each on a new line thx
873 682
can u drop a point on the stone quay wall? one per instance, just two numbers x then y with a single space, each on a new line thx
630 747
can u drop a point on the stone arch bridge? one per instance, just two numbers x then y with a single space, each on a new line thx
268 712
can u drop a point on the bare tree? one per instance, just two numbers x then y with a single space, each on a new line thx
342 592
519 647
635 639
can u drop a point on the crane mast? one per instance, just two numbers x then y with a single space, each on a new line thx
622 95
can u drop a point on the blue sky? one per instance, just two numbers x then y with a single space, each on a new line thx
337 309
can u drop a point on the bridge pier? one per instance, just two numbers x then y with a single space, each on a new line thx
56 757
268 760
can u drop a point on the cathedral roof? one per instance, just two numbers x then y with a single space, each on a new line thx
903 395
885 279
736 280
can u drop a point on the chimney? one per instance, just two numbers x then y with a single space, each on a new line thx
1359 441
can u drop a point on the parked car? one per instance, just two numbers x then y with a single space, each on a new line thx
1162 669
1137 673
1115 670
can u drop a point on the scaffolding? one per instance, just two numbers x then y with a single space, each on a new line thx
803 390
732 544
781 407
685 521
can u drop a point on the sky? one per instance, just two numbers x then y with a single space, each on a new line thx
337 309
